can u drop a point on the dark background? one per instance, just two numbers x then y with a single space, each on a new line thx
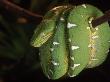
20 73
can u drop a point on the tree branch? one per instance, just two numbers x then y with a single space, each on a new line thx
20 11
102 19
34 17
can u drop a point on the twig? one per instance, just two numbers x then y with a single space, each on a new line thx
34 17
20 11
102 19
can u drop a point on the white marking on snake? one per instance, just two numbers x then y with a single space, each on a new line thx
55 43
74 47
87 27
71 75
90 22
51 49
89 45
82 16
69 25
55 63
96 28
94 37
107 51
43 34
51 71
62 19
75 65
94 59
72 58
84 6
55 8
48 76
69 40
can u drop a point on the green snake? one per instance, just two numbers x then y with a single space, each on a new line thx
67 41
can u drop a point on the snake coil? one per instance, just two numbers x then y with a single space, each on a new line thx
67 41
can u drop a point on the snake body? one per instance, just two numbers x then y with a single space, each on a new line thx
68 42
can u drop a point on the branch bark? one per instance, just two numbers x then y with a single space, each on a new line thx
20 11
102 19
34 17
